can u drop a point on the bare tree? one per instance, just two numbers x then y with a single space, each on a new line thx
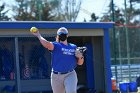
66 10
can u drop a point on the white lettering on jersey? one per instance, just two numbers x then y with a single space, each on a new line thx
68 51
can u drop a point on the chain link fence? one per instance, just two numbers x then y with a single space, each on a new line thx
126 66
7 60
34 62
34 59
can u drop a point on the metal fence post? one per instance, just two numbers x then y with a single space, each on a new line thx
127 41
18 85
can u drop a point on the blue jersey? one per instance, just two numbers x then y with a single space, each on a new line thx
63 57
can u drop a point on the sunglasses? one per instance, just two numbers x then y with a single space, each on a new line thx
59 33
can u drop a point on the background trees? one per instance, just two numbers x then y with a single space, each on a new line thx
3 16
32 10
66 10
129 21
46 10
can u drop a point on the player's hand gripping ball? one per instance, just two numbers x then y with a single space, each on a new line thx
33 29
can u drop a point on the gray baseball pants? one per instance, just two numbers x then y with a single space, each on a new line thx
64 83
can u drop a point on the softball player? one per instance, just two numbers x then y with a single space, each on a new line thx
64 60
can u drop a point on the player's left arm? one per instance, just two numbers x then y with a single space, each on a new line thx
80 57
80 61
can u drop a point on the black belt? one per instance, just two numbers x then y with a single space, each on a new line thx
55 72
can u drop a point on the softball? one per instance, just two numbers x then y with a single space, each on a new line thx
33 29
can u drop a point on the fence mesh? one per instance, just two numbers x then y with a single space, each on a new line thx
34 59
126 66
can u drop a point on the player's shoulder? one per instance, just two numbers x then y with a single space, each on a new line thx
55 42
71 44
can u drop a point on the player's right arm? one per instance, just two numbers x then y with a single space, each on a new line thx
43 41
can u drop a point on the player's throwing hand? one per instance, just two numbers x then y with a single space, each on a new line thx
35 31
